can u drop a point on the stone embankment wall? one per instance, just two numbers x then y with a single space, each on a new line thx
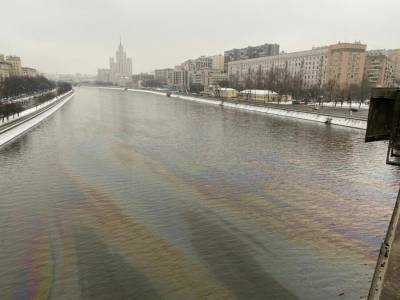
9 132
285 112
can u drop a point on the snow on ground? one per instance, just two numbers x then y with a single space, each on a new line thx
29 111
345 105
259 92
280 102
341 121
13 133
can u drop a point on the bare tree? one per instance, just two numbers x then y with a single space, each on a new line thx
330 89
249 81
353 92
315 93
234 81
259 78
365 90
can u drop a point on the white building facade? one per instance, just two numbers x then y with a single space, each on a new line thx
120 71
120 67
15 62
11 66
217 62
164 76
29 72
310 66
4 70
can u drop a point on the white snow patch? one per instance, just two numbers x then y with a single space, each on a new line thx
341 121
353 104
18 130
259 92
30 110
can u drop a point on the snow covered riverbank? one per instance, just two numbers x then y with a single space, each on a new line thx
316 117
341 121
346 104
21 127
30 110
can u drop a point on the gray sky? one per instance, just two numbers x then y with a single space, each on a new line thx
69 36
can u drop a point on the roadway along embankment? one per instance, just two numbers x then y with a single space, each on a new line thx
15 128
328 118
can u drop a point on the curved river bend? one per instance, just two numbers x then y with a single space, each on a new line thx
125 195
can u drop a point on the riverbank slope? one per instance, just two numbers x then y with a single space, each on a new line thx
30 118
333 118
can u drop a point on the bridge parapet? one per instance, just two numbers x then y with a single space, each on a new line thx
384 124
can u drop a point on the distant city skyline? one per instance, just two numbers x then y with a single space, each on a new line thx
72 37
120 68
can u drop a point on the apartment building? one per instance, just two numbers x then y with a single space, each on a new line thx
189 65
394 56
15 62
379 70
5 69
217 62
250 52
346 63
11 66
29 72
204 70
343 63
164 76
195 78
310 66
213 77
203 62
180 79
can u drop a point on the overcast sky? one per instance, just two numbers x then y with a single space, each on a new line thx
70 36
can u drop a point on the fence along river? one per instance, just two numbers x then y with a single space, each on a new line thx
124 195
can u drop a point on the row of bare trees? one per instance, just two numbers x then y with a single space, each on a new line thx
22 85
15 86
284 83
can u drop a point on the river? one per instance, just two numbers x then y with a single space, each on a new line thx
127 195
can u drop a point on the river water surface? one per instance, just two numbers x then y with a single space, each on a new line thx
126 195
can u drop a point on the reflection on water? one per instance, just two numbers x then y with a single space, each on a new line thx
122 195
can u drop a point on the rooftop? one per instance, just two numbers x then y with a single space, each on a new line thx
259 92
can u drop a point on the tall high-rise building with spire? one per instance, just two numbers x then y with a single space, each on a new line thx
120 71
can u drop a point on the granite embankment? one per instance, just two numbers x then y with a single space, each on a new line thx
339 117
30 118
